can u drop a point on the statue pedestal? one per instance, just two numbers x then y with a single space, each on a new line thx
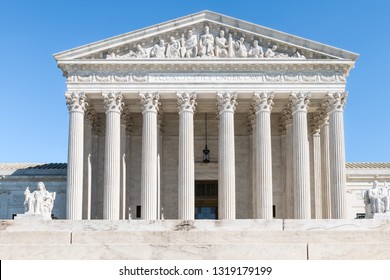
30 217
381 215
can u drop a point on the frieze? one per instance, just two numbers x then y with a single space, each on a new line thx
204 77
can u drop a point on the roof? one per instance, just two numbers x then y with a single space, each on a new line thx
150 35
367 165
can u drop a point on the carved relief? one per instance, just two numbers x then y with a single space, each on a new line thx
186 101
205 43
227 101
149 101
75 101
336 101
300 101
263 101
113 101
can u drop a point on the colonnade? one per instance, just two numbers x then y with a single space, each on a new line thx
328 149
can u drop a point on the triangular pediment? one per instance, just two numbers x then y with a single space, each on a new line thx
199 36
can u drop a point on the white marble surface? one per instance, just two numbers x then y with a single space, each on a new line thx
337 225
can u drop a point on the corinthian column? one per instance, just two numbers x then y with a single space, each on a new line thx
325 169
301 161
74 193
150 103
263 106
186 192
317 167
336 103
112 161
226 172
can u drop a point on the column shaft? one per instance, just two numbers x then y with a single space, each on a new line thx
337 155
317 174
74 197
264 104
289 171
302 209
186 190
226 172
149 156
325 171
112 162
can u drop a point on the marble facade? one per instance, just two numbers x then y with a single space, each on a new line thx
280 101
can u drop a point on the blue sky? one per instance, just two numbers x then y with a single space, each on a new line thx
33 115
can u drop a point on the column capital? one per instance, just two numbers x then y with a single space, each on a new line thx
226 101
75 101
251 119
336 101
149 101
286 118
90 115
263 101
316 125
113 101
186 101
300 102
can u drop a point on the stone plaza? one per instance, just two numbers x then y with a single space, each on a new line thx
206 131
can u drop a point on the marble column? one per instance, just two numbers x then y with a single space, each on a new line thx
317 168
263 106
150 104
325 169
125 118
336 103
289 171
252 153
74 194
112 161
90 116
301 162
186 192
226 171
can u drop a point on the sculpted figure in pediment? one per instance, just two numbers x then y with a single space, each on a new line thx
173 48
206 43
221 46
271 53
191 45
298 55
240 48
158 50
256 50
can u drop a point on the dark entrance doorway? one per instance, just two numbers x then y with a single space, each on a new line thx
206 199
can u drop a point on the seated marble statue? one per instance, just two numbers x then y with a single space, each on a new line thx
206 43
173 49
39 201
221 46
271 53
191 45
158 50
240 48
376 199
256 51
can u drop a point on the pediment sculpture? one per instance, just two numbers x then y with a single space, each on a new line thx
40 201
205 45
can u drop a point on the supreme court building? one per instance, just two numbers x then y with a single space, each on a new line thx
206 116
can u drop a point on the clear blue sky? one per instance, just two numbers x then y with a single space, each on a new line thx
33 115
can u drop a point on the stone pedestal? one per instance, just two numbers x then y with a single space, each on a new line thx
226 173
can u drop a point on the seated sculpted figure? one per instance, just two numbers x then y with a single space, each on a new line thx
256 51
39 201
384 197
271 53
240 48
158 50
173 49
221 46
191 45
206 43
374 198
